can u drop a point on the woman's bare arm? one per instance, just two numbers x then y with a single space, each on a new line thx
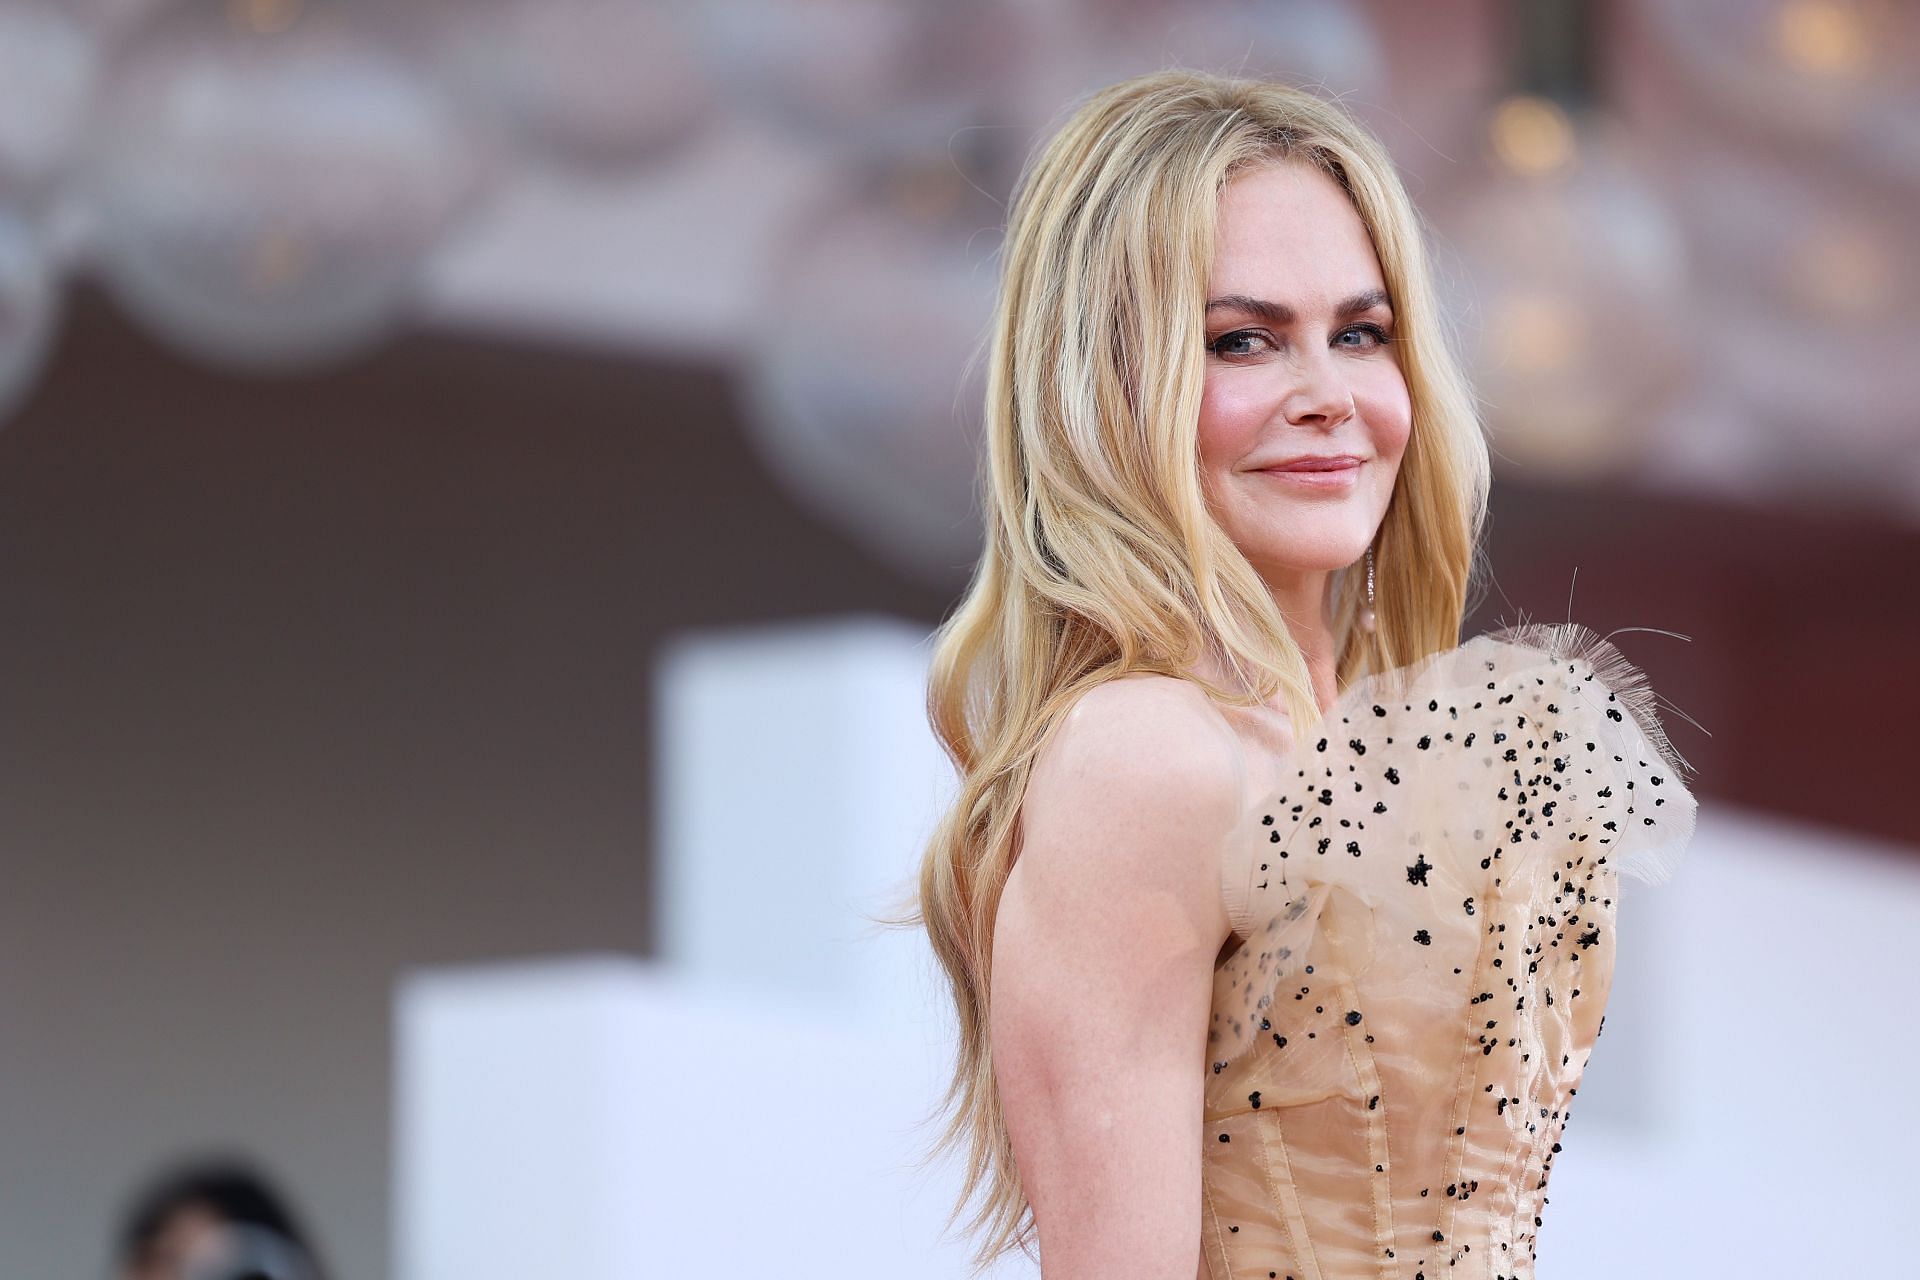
1102 976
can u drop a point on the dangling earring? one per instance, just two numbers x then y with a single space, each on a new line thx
1367 616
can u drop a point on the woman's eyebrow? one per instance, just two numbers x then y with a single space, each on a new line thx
1282 314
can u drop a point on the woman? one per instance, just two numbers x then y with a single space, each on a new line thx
1233 995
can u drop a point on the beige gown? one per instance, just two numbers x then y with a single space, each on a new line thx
1427 924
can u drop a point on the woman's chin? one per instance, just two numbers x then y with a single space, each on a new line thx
1308 546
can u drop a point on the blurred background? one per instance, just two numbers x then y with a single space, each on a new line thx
476 479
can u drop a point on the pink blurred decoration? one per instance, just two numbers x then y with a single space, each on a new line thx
590 86
1816 311
49 65
871 75
116 19
1084 45
1324 45
266 179
865 378
1786 144
29 300
1826 73
1572 294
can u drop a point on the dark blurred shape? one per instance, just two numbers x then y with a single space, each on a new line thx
214 1218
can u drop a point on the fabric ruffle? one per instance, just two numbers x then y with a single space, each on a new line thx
1649 841
1326 922
1534 736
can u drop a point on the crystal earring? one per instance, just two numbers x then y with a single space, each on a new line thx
1368 618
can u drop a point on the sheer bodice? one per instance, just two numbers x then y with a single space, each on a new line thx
1426 920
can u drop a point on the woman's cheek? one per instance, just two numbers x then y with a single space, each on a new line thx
1388 407
1230 418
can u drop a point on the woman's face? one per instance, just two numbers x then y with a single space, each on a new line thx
1298 363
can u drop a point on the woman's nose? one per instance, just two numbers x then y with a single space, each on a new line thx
1320 394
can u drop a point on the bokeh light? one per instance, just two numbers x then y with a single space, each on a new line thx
265 187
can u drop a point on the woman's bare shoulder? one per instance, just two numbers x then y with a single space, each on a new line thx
1143 752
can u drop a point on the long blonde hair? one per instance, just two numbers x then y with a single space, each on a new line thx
1101 557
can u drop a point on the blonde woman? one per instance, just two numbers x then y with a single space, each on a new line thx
1278 922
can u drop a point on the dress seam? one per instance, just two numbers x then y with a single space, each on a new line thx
1463 1097
1240 901
1287 1196
1379 1152
1210 1216
1516 1151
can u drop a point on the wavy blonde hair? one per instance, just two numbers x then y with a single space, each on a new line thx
1101 556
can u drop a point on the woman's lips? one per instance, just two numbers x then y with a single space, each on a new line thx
1317 475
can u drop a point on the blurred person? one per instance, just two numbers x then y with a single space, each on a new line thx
1279 922
214 1219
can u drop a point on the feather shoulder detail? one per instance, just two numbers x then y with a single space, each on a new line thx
1462 769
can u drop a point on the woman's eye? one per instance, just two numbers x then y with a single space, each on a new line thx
1241 341
1233 344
